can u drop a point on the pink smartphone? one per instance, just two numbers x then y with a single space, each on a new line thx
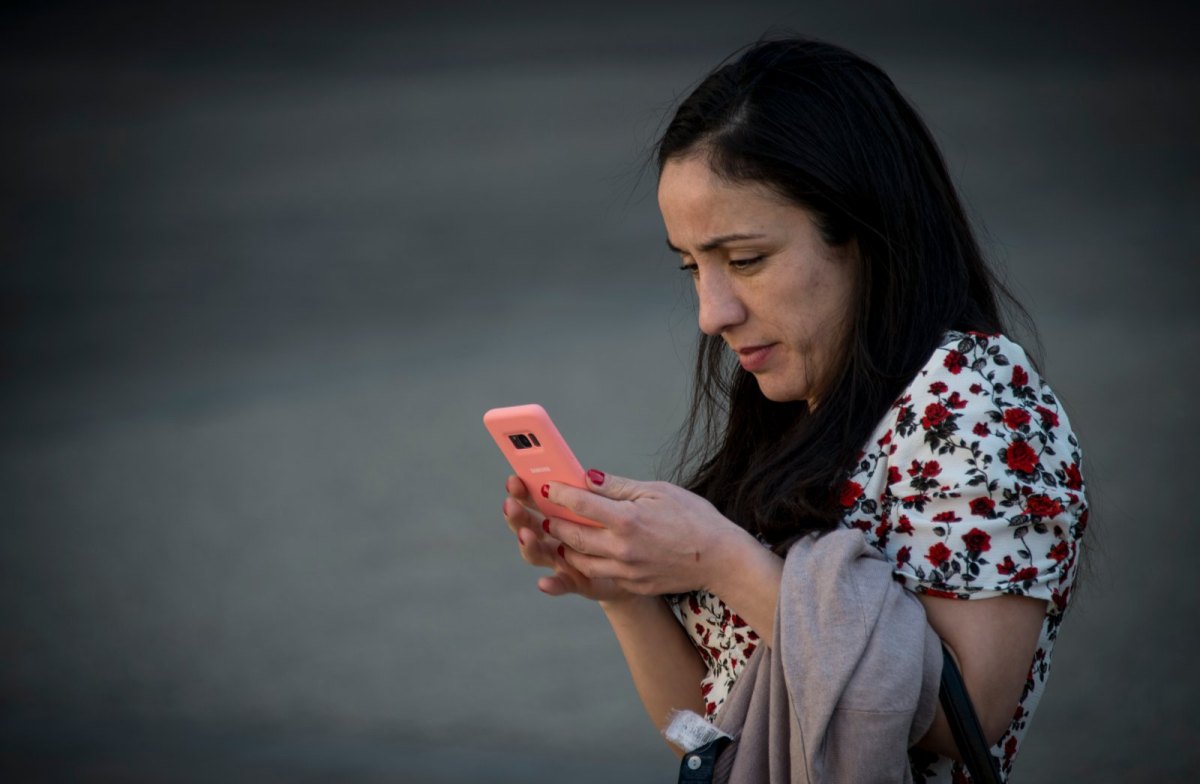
538 453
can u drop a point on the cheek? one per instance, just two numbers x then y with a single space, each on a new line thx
808 310
833 298
819 313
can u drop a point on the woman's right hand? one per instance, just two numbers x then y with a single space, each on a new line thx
539 548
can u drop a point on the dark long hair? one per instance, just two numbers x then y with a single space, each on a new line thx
830 132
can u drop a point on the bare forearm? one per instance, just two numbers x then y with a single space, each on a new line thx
666 669
746 577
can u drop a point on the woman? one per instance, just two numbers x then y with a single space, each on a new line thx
873 389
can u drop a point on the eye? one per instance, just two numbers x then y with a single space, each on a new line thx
690 268
742 264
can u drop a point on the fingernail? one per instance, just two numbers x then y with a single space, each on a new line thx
546 525
521 537
545 491
597 477
562 551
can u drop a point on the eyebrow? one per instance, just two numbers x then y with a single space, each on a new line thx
717 242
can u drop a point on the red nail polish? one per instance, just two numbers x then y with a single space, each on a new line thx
546 525
545 491
562 551
597 477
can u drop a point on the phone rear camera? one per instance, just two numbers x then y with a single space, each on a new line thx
533 438
520 441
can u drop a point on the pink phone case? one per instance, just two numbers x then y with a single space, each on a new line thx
537 452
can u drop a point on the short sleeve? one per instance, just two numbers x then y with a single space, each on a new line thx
983 494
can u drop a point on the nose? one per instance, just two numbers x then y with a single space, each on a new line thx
720 306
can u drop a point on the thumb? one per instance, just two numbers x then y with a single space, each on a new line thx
612 486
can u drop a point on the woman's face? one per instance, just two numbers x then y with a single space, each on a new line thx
768 284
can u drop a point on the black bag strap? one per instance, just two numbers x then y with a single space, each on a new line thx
964 724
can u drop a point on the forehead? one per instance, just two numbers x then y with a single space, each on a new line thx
694 200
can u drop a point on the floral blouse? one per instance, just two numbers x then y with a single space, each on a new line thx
970 487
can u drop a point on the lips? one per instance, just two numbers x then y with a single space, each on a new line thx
755 358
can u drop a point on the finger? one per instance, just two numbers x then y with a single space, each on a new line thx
618 488
580 538
516 488
554 585
588 504
593 567
517 515
566 578
536 549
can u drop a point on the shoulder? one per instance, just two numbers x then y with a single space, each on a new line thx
968 367
979 399
983 387
983 492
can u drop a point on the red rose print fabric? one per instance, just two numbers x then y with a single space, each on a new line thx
972 487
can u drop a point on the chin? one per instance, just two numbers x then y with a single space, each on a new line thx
781 393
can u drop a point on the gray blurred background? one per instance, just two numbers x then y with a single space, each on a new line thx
262 270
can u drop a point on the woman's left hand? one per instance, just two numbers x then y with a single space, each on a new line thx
657 537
